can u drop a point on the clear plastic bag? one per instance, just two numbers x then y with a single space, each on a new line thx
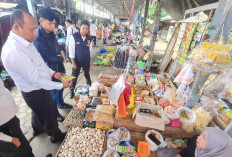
107 109
187 118
205 111
123 134
110 153
93 90
220 86
211 57
95 101
186 75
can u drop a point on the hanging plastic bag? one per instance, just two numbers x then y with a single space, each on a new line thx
186 75
220 86
117 89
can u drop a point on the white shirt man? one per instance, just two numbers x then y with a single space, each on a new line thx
26 66
70 30
93 30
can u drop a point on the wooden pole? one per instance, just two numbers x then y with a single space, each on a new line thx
137 34
144 21
159 5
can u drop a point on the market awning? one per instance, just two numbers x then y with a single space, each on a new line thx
177 8
119 7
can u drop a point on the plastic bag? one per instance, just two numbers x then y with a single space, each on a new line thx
106 109
175 123
93 90
117 89
110 153
82 90
186 75
211 57
123 134
187 118
220 86
95 101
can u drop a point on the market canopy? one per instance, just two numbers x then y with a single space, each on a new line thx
119 7
177 8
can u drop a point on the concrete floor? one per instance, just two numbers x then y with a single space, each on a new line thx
41 144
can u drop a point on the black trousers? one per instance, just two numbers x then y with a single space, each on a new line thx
8 149
94 40
76 72
44 115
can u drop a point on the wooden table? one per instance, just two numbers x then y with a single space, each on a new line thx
168 132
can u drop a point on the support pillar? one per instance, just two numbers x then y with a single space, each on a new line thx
159 5
92 8
31 9
84 9
144 21
139 16
68 15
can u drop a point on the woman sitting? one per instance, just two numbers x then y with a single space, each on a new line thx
213 142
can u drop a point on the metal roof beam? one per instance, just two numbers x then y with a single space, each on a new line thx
202 8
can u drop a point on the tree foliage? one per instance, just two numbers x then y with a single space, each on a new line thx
151 12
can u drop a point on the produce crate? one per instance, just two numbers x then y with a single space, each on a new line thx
107 79
72 119
140 88
66 137
168 82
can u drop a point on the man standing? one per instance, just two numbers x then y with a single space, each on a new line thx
93 29
47 45
31 74
70 31
79 52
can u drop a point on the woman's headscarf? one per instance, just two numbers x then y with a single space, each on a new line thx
218 144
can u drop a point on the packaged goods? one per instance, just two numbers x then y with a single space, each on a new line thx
187 118
74 118
202 118
96 101
211 57
106 109
89 116
102 117
82 90
66 78
186 75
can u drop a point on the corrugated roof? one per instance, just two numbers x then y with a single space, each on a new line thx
117 7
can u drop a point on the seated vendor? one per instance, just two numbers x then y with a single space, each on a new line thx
118 40
213 142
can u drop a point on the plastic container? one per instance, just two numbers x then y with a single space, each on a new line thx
143 149
153 146
102 51
141 65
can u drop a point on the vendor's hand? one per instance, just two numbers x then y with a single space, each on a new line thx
58 76
16 141
74 66
67 84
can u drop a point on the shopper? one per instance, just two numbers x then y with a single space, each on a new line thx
70 31
93 29
79 47
47 45
105 35
31 74
213 142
